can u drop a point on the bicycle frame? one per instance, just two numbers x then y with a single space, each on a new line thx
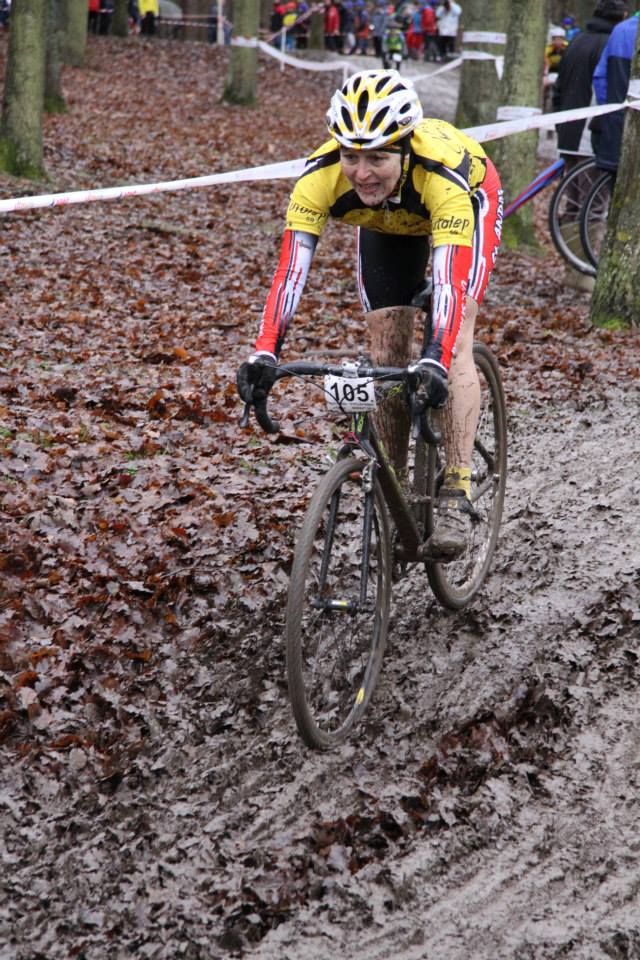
364 437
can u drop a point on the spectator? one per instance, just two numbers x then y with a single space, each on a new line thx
302 27
571 28
394 46
378 27
106 16
448 16
554 50
288 22
331 26
362 27
610 83
413 35
348 27
134 16
149 11
94 16
572 88
429 28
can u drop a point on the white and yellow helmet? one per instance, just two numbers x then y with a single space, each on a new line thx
373 109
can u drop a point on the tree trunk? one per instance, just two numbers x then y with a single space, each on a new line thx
515 156
243 62
316 32
480 86
21 127
120 21
73 36
616 295
54 101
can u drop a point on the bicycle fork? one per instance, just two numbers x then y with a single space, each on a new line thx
351 606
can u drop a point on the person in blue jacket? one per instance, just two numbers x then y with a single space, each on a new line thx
610 85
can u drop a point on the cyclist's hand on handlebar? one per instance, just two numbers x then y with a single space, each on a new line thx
256 376
433 378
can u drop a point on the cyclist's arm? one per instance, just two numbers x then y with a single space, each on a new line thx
288 283
452 223
451 266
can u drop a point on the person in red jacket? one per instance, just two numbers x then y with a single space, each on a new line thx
429 26
331 26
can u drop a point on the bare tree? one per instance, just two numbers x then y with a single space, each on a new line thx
480 87
54 101
243 62
73 35
120 22
23 103
515 156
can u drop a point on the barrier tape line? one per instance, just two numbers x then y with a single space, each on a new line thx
290 168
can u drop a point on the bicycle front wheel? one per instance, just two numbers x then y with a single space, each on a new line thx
593 219
338 605
564 214
456 583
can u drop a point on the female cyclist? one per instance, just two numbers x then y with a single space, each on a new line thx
400 180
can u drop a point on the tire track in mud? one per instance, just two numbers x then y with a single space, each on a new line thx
510 637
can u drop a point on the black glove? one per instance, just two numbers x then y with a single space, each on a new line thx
256 376
433 378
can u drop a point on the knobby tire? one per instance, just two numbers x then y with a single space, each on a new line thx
333 656
564 214
593 219
456 583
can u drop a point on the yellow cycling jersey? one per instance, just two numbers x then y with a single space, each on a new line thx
441 172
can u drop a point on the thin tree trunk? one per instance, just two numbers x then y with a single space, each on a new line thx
316 32
73 36
243 62
120 22
54 101
616 295
21 127
480 86
515 156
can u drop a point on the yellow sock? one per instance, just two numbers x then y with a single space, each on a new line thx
458 478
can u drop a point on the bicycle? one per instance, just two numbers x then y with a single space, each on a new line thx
565 208
361 529
565 212
594 214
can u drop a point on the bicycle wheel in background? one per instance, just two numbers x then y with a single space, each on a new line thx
564 214
593 219
456 583
338 606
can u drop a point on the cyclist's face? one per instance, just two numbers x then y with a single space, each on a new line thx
373 174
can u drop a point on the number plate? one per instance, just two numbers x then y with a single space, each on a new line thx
349 394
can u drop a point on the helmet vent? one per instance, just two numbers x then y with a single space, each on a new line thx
379 117
346 119
363 104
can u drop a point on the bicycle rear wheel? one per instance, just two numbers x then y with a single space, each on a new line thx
564 214
456 583
338 606
593 219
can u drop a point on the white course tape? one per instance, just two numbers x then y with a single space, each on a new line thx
510 112
271 51
424 77
494 131
271 171
483 36
289 169
481 55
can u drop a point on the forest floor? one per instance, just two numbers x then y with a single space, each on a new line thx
155 799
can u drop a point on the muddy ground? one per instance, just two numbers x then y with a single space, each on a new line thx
155 799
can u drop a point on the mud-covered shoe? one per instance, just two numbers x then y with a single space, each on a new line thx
455 515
